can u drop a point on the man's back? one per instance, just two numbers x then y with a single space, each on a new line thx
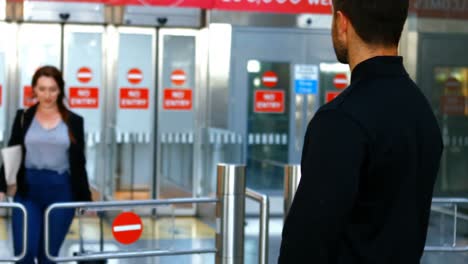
371 203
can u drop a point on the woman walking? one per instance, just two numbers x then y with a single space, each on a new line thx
53 166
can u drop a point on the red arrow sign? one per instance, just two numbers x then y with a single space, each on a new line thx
84 75
270 79
134 76
340 81
127 228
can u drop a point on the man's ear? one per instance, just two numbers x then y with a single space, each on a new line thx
342 25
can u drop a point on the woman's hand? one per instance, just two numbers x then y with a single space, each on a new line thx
2 196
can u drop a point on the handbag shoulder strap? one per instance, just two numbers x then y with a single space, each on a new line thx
23 116
22 119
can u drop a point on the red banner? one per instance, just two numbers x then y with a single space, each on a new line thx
440 9
206 4
275 6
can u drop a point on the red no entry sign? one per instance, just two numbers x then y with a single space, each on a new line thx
28 96
127 228
135 76
268 101
452 84
178 77
84 75
270 79
340 81
330 96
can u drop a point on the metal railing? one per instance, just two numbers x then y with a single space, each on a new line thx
230 214
455 202
264 225
292 176
25 231
121 205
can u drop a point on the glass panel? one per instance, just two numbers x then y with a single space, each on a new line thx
45 51
176 118
334 78
83 60
142 228
268 124
449 103
134 168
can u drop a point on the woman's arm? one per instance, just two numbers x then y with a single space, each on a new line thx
85 194
15 139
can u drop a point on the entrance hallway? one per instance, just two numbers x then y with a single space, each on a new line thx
192 233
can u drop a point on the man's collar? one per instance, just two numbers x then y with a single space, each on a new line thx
379 66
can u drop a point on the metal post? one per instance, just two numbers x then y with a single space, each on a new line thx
20 207
230 212
292 177
264 225
455 218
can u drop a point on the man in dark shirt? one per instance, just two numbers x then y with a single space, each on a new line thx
370 156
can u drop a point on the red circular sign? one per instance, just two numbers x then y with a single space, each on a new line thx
178 77
84 75
340 81
134 76
452 84
270 79
127 228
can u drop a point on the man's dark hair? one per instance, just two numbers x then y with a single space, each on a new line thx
377 22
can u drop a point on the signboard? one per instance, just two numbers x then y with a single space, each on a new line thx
330 96
453 85
340 81
84 97
267 101
453 104
28 96
134 76
306 79
270 79
178 77
177 99
84 75
134 98
453 9
127 228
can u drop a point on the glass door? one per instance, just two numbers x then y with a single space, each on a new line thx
449 101
176 122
